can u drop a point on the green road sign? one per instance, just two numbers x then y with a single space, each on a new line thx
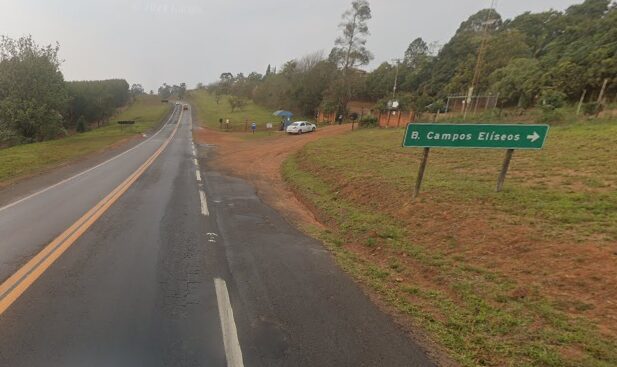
498 136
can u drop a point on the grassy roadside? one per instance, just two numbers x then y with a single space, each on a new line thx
23 160
521 278
209 112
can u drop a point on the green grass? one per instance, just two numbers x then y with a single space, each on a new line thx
209 113
570 184
360 181
23 160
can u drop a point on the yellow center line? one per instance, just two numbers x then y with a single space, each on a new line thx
12 288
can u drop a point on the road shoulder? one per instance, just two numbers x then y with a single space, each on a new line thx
17 188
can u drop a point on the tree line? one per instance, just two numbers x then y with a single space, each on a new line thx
536 58
36 103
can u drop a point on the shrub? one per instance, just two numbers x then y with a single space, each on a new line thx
369 121
437 106
551 99
549 116
82 125
592 108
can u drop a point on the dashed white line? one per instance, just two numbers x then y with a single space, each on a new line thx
198 175
195 162
228 325
204 203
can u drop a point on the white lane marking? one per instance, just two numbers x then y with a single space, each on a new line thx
228 325
204 203
198 175
195 162
194 152
89 169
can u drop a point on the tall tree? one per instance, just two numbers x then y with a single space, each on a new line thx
517 83
32 91
164 91
181 90
453 68
137 90
416 53
380 81
350 48
349 52
96 100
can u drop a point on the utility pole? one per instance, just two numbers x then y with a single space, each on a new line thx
395 78
479 60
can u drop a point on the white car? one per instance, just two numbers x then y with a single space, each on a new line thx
300 127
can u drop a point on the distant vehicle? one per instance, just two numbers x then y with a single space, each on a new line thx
186 107
300 127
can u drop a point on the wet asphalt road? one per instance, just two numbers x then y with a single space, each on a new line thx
138 288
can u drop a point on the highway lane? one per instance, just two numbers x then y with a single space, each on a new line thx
190 268
30 223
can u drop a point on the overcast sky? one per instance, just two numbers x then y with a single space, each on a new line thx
152 42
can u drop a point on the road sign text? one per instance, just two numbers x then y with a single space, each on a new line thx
499 136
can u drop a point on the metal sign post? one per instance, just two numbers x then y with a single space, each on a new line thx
420 177
504 169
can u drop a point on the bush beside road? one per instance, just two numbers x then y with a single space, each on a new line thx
23 160
524 277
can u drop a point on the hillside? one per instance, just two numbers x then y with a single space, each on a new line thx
522 277
209 111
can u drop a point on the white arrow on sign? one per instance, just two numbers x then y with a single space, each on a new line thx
533 137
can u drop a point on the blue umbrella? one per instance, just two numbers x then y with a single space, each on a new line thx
286 115
282 113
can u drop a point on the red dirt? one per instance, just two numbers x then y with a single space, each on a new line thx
579 275
259 161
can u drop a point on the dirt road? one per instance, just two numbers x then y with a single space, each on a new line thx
259 161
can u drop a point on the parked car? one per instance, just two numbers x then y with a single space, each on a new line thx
300 127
